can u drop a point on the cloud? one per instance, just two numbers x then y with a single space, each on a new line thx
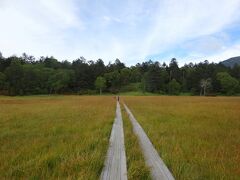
206 44
36 27
129 30
178 22
226 53
222 54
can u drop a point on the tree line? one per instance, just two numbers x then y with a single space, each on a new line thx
26 75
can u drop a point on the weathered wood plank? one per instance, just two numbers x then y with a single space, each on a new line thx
115 167
157 167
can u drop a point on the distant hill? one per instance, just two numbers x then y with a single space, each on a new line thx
231 62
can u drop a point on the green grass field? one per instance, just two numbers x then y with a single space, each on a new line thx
54 137
197 137
50 137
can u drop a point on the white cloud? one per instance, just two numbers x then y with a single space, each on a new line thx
130 30
36 27
179 21
205 44
226 53
221 55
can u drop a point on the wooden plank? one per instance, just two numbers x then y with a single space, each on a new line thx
115 167
157 167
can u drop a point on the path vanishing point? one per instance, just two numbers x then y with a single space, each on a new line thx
115 167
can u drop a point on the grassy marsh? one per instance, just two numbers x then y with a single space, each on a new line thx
197 137
54 137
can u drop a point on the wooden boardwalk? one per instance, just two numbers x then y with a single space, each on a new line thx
157 167
115 167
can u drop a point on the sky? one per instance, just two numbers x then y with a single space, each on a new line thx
131 30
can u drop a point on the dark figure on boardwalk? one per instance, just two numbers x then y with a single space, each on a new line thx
118 98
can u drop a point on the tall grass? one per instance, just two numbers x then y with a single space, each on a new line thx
136 167
197 137
54 137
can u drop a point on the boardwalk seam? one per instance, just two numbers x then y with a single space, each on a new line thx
115 167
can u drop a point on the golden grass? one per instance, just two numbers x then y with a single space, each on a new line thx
197 137
135 162
54 137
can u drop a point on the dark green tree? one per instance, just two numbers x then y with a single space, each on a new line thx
31 79
174 87
14 76
135 74
113 80
174 71
125 74
153 78
51 62
2 80
144 83
60 80
229 84
100 83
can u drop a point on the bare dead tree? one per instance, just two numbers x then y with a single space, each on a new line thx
204 84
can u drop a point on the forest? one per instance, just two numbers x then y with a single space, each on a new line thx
27 75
